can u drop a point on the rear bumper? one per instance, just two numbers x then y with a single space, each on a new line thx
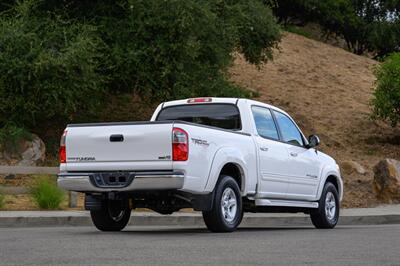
83 182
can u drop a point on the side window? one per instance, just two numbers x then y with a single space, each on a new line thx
265 123
289 131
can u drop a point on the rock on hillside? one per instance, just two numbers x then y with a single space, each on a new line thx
387 180
28 152
328 91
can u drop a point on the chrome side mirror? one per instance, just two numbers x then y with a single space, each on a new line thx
313 141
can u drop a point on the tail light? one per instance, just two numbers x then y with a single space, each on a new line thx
62 151
180 144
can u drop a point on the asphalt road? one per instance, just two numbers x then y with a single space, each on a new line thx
345 245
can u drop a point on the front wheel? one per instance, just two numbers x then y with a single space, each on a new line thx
227 212
113 216
327 214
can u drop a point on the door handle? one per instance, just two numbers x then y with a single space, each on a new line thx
264 148
117 138
293 154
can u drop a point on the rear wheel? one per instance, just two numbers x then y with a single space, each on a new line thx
113 216
227 212
327 214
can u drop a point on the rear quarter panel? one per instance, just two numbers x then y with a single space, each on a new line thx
209 150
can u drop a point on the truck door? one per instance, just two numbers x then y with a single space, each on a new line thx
272 156
304 166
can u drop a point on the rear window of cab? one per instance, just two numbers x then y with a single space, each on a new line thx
219 115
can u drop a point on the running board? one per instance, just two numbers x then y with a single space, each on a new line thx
286 203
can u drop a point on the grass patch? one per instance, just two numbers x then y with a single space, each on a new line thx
46 194
298 30
2 200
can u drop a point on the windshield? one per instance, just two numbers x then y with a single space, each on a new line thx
217 115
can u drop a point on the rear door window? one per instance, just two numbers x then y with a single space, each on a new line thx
224 116
265 123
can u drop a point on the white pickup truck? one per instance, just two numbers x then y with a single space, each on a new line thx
221 156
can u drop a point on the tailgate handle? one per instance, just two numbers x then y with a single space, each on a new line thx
117 138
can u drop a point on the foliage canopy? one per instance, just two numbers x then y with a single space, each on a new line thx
58 59
366 25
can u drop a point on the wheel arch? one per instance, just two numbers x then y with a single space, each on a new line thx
333 179
333 176
236 172
228 161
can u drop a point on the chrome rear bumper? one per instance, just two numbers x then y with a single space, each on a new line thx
83 182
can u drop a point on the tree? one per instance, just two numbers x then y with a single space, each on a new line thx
296 12
49 69
365 25
59 59
362 24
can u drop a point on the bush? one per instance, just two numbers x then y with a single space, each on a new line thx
49 68
2 200
47 195
386 98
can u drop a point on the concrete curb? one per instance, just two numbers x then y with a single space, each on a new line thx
82 218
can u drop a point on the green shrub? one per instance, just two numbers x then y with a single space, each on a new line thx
49 67
2 200
47 195
386 98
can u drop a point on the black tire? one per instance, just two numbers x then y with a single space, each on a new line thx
323 218
215 219
113 216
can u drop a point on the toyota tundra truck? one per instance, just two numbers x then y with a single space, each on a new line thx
220 156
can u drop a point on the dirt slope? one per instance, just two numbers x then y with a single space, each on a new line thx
328 91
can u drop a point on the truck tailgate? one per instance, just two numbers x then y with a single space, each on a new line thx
134 146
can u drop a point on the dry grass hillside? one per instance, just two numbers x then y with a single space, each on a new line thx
328 91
